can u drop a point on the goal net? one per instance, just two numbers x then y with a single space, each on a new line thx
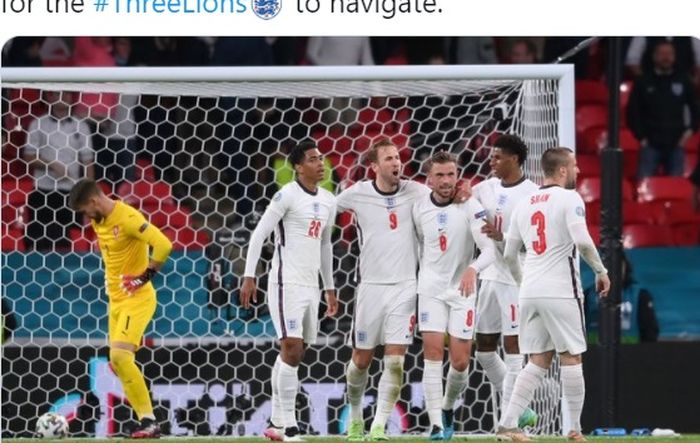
200 152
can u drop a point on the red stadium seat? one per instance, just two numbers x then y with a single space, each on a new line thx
187 238
593 213
686 235
12 239
593 140
143 192
676 212
693 143
691 161
625 91
634 213
628 142
588 116
590 188
664 188
588 165
167 215
640 236
591 92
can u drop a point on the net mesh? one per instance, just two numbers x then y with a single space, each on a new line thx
201 160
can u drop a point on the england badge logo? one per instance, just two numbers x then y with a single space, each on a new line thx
266 9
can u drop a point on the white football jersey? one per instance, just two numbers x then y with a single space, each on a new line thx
385 228
446 236
499 202
542 222
300 218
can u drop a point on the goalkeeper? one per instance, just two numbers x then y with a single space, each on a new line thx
124 237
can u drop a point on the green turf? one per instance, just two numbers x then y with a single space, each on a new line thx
694 438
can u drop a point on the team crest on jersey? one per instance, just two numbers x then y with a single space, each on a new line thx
580 211
424 317
390 202
317 208
115 231
266 9
677 88
442 219
502 198
361 336
278 196
480 214
291 324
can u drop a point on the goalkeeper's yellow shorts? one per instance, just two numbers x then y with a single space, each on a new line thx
129 317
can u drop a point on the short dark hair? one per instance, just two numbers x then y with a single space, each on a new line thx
297 154
82 192
440 158
373 153
512 145
553 159
529 45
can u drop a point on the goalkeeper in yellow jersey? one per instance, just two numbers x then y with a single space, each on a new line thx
124 237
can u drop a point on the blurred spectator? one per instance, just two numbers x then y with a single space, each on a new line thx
122 51
57 51
522 51
656 113
555 47
285 50
640 57
23 51
425 50
242 51
471 51
333 51
59 152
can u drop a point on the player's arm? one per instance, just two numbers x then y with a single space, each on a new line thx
576 225
513 246
327 266
477 218
273 214
137 227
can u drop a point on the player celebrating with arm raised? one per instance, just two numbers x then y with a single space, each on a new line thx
448 233
498 294
302 215
124 237
551 224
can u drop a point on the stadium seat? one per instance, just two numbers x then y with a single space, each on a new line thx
691 161
635 213
167 215
187 238
591 92
625 91
628 142
588 165
693 143
676 212
640 236
83 240
664 188
343 163
588 116
593 213
142 192
593 140
686 235
590 188
12 239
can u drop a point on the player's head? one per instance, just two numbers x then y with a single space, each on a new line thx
442 174
664 56
385 161
307 161
86 197
508 155
559 166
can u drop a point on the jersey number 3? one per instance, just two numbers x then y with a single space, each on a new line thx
540 245
314 229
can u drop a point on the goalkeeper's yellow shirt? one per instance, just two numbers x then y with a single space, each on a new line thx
124 237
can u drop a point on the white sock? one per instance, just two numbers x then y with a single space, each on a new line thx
356 380
574 389
432 389
514 364
389 388
528 380
456 383
276 417
288 385
494 367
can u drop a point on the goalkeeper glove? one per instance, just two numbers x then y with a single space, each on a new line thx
132 283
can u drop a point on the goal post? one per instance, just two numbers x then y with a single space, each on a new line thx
200 151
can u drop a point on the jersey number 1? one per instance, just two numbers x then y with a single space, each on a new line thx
314 228
540 245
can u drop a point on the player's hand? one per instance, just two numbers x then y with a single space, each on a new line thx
131 283
464 192
491 231
467 285
602 284
248 291
331 303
